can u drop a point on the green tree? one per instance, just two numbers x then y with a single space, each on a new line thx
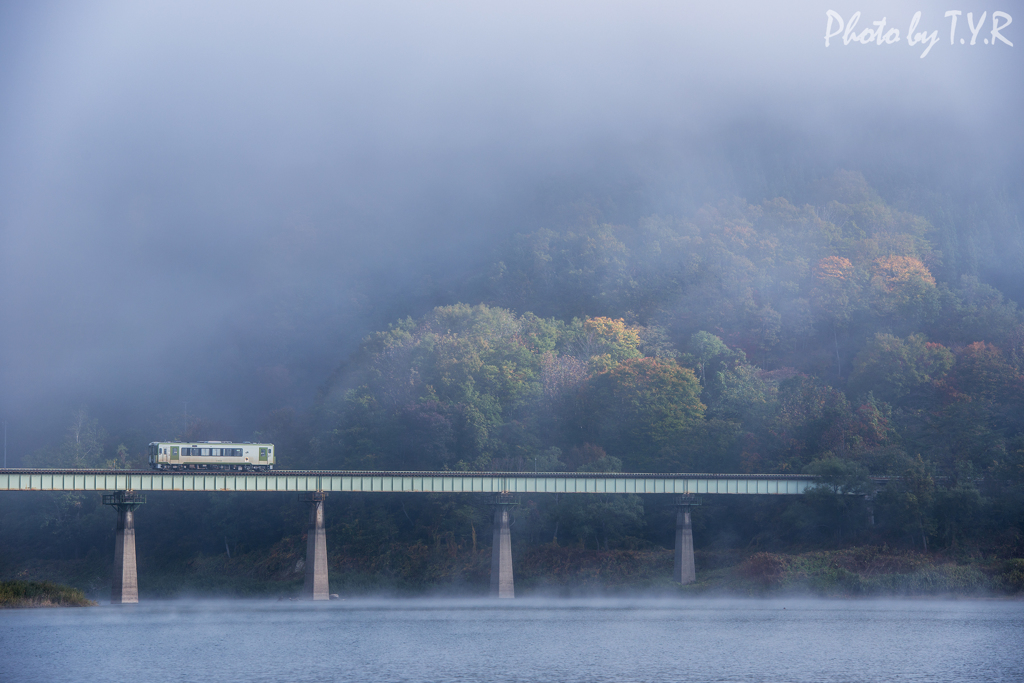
891 367
641 407
903 509
957 511
838 495
605 518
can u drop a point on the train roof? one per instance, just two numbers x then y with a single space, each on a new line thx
214 442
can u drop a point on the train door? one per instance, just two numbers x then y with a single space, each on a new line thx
174 452
263 454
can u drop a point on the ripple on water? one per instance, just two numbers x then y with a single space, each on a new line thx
536 640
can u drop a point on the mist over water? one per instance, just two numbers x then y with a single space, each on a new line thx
537 639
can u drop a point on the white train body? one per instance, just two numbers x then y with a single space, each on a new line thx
210 455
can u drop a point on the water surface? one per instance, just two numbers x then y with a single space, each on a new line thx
523 640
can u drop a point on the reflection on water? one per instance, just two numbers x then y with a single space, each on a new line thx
525 640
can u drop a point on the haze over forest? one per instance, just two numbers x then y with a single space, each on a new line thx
214 205
656 236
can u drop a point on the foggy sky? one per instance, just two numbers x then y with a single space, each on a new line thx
213 202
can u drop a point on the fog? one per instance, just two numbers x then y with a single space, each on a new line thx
532 639
212 204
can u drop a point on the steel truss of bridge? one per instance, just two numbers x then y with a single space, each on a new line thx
400 482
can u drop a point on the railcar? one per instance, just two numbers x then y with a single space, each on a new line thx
211 455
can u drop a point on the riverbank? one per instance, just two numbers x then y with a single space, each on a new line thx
418 569
862 571
19 594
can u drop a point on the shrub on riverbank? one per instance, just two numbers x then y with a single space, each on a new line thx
40 594
863 571
1012 577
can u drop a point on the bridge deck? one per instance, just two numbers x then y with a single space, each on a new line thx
400 482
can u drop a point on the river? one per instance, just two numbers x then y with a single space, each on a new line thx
535 640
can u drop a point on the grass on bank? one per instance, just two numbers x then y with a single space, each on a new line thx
861 571
15 594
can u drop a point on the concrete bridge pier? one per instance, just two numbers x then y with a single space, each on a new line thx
502 584
125 589
315 586
684 571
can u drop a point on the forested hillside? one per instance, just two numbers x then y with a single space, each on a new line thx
746 338
762 338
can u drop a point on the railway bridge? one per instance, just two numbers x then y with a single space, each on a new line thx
126 490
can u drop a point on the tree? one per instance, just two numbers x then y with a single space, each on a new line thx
605 518
903 508
902 286
838 495
642 406
709 351
835 295
891 367
603 342
82 446
957 511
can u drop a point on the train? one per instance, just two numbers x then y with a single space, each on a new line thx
211 455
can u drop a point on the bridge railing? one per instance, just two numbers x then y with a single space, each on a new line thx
402 482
